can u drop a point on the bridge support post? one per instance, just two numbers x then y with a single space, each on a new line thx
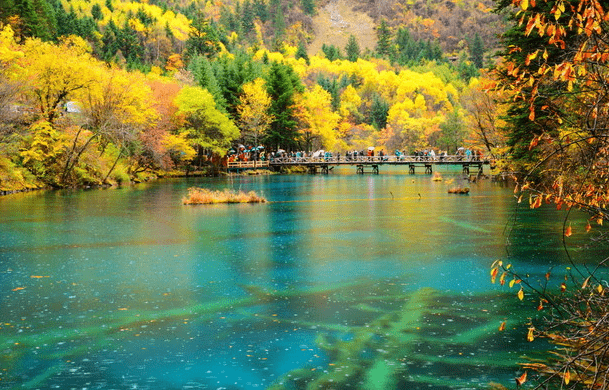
466 169
360 169
324 169
411 169
428 168
375 169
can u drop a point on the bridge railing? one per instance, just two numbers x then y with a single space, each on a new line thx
247 164
454 159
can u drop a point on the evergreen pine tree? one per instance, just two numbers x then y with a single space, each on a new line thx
383 36
352 49
278 18
6 9
332 52
247 16
301 52
477 51
30 21
282 83
202 38
308 7
205 75
261 10
96 12
378 112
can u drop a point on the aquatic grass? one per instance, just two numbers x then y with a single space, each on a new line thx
458 190
205 196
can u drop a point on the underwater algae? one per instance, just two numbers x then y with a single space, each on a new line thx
398 338
397 349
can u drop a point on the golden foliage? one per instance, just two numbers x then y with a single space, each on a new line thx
205 196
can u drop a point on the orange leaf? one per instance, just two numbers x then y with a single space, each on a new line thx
18 288
563 287
567 377
568 231
502 279
586 282
494 273
588 227
521 379
502 327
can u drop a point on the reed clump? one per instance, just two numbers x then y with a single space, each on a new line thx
458 190
205 196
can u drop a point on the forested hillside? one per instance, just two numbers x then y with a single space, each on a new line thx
108 91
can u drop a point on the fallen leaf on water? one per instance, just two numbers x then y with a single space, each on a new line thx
18 288
521 379
530 336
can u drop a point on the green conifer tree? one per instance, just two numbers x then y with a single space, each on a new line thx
384 39
302 52
352 49
308 7
476 51
282 84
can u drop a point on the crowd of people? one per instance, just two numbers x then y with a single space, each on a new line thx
259 153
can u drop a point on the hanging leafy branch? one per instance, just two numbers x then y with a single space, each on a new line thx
555 77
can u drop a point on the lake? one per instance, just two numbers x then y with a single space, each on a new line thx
339 281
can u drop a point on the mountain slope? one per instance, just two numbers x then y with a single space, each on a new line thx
337 20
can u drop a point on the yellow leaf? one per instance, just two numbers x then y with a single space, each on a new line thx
530 336
567 377
586 282
557 14
521 294
524 4
502 327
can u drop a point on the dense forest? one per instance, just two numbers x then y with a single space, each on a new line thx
105 91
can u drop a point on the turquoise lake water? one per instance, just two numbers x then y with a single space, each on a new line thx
339 281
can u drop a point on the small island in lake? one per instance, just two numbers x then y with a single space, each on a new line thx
205 196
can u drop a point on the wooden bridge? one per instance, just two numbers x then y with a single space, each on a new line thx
364 164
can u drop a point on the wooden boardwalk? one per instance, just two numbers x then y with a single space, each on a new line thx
364 164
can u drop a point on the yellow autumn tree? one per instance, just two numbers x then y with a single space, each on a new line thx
206 127
55 74
319 123
116 108
253 107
